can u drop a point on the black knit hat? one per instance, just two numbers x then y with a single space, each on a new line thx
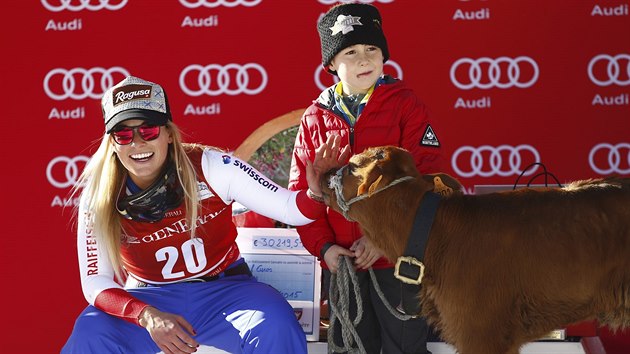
345 25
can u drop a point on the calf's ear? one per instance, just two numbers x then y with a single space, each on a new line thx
370 188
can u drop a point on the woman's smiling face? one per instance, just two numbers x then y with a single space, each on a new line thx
144 160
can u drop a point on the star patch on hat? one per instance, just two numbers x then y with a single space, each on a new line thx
344 24
429 138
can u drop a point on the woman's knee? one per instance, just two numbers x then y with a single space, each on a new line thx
96 331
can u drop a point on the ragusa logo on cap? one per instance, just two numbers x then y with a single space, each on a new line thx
130 92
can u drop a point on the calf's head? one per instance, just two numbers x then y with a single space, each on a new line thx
376 169
380 189
365 174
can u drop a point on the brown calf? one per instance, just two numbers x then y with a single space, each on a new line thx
501 269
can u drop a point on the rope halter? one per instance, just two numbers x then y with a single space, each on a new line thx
335 183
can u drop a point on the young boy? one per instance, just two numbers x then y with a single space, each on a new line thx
367 109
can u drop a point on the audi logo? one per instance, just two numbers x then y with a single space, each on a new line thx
331 2
318 78
80 83
78 5
231 79
501 72
614 66
70 166
487 161
216 3
615 162
333 79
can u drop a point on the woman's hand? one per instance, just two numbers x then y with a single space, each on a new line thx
331 257
327 157
172 333
366 253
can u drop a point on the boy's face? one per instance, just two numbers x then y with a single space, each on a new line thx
358 67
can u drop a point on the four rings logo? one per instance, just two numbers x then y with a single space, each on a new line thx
192 4
231 79
332 79
80 83
487 161
78 5
64 171
502 72
617 158
605 70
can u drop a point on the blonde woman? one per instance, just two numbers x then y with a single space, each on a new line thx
155 214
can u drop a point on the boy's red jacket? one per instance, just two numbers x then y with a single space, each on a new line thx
393 116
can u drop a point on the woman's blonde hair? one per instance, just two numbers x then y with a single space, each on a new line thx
103 178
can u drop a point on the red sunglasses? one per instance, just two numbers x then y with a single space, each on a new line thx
124 134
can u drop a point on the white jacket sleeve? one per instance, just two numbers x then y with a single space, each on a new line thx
95 268
235 180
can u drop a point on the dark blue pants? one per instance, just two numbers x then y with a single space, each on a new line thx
236 314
